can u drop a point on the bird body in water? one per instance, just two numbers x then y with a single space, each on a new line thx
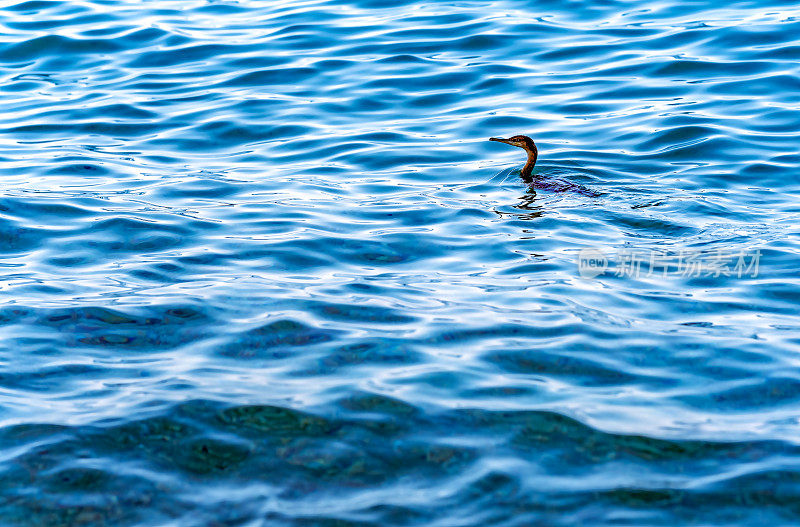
527 144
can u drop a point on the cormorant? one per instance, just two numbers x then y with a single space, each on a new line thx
527 144
553 185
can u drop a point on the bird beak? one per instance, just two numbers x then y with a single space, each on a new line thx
500 140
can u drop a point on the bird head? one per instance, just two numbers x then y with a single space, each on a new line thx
522 141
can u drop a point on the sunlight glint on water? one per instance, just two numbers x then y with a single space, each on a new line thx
261 264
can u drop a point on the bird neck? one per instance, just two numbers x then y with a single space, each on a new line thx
525 173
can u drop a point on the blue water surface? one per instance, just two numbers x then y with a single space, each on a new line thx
260 264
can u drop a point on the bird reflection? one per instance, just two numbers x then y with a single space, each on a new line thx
527 209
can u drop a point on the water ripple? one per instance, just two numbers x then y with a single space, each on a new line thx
261 264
